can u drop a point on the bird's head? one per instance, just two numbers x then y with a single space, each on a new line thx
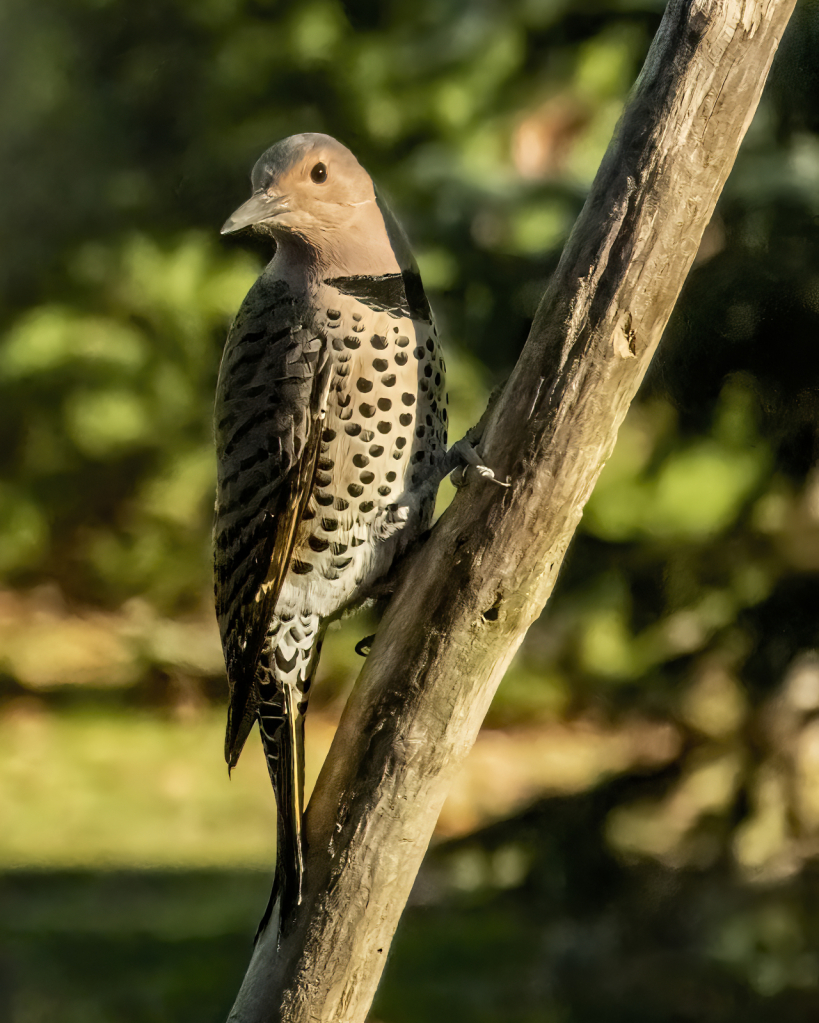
311 191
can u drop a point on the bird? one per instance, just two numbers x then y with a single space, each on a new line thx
330 425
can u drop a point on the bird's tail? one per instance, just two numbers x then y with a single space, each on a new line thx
288 665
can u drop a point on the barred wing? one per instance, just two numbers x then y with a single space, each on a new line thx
267 442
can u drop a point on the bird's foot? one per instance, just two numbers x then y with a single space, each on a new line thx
465 455
391 520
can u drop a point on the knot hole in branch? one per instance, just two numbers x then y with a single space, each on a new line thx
492 613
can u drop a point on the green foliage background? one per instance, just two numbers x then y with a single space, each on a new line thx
686 890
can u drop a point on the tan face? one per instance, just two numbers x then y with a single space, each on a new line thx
306 184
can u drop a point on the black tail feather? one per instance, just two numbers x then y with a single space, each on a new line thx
282 730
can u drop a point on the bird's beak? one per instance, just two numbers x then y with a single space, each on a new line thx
258 208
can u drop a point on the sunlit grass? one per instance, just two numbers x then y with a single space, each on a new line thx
129 789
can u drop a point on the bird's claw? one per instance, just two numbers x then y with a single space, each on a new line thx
470 457
487 474
391 520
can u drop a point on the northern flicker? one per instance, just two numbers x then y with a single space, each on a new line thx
331 428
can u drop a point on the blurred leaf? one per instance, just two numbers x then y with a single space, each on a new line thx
178 493
106 423
23 530
52 337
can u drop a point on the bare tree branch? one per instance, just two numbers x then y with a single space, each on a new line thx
472 592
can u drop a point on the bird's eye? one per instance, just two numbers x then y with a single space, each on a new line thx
319 174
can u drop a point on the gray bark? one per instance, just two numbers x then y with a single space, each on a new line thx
469 596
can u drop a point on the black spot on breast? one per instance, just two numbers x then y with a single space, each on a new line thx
328 435
390 477
418 456
354 490
315 543
342 563
353 429
400 442
368 411
401 358
338 344
339 548
340 504
428 420
420 431
364 385
402 341
407 398
327 464
430 345
333 314
301 568
325 500
367 436
389 380
379 342
344 414
323 480
357 317
437 379
360 461
366 506
384 491
427 370
367 477
376 451
329 525
343 400
384 404
419 353
405 419
356 542
384 427
380 365
352 342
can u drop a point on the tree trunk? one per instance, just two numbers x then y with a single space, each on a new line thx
470 594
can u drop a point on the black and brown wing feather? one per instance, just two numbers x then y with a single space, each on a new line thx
267 442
